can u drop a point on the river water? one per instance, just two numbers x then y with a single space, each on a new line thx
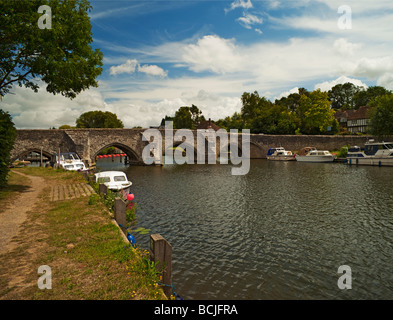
279 232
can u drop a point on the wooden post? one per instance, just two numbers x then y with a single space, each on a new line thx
102 188
41 159
59 158
120 213
161 252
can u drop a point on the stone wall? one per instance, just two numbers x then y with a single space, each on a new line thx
88 142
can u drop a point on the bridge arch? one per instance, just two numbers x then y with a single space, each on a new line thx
132 154
23 154
256 151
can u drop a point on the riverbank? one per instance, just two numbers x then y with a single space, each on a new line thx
75 237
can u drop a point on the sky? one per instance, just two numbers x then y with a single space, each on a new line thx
161 55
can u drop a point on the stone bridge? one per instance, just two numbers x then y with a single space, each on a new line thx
87 143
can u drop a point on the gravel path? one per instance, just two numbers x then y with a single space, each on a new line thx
16 214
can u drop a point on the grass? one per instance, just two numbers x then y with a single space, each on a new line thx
78 240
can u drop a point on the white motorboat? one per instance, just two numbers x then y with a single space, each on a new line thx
373 154
69 161
280 154
311 154
114 180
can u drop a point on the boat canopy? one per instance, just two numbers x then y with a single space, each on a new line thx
306 150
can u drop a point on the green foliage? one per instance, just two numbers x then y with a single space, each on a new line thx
185 118
7 139
342 95
60 56
349 96
315 113
342 153
98 119
381 116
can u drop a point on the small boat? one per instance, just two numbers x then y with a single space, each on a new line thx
311 154
69 161
374 154
280 154
114 180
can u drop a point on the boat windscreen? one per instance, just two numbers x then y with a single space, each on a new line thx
120 178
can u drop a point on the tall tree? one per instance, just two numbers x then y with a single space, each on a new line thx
316 114
342 95
99 119
365 97
381 116
183 118
196 116
59 53
7 138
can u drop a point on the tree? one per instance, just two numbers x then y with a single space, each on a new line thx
183 118
61 55
342 95
381 116
365 97
316 114
98 119
7 138
196 116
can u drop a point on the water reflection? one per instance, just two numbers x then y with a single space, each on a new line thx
280 232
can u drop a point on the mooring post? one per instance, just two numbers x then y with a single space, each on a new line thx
120 213
102 189
161 253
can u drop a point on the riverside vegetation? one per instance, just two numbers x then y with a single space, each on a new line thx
77 239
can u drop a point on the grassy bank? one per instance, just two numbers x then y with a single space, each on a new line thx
85 250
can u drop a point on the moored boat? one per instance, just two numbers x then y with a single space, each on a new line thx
69 161
373 154
280 154
116 181
311 154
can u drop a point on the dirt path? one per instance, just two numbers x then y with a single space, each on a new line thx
13 217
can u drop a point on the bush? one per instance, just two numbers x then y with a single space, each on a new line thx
7 139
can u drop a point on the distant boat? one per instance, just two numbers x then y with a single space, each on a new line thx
69 161
114 180
311 154
374 154
280 154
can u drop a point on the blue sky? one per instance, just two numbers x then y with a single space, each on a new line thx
161 55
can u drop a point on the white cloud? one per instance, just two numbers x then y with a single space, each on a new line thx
248 20
239 4
371 67
152 70
212 53
128 67
327 85
345 47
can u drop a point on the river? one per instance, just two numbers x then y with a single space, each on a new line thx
279 232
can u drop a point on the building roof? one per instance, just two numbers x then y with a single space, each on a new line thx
207 125
360 113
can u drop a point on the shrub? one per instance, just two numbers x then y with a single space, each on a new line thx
7 139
